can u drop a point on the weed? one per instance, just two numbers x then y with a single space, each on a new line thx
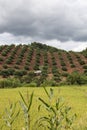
26 105
58 117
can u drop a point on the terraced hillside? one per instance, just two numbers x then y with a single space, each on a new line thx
23 60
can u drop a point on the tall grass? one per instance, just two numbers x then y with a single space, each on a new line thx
49 105
26 105
58 117
10 115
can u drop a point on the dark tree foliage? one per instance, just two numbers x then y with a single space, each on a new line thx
43 47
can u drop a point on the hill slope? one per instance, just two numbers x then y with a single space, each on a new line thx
24 59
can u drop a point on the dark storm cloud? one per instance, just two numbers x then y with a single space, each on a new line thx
63 20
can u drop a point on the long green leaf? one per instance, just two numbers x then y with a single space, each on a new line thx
46 92
15 117
13 109
51 92
57 103
23 99
47 105
30 102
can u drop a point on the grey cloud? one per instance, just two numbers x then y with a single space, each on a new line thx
49 19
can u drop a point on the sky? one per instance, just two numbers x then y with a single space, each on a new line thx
59 23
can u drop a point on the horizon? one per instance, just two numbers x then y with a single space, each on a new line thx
16 44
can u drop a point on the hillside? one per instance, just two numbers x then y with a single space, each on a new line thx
24 60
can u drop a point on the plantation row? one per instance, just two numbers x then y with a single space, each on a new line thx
29 58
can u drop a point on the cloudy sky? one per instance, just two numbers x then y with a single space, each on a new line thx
60 23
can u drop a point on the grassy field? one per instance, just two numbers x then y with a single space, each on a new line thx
74 96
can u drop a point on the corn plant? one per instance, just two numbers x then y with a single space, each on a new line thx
57 117
10 115
26 105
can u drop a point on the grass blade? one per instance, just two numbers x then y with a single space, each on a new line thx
23 99
46 92
31 99
47 105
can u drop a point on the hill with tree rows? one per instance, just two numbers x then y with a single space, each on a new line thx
40 62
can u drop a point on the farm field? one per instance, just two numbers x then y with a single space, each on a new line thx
74 96
38 64
36 56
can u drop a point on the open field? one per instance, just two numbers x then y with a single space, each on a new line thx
74 96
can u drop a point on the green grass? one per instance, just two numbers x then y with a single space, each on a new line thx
74 96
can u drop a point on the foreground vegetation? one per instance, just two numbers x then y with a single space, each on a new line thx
75 97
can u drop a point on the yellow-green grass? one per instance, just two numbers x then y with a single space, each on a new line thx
74 96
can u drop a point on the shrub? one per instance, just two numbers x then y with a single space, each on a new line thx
73 78
1 48
65 74
9 61
4 53
76 78
11 71
49 83
26 67
15 82
85 55
63 64
56 78
36 67
70 58
9 83
85 67
81 62
5 73
32 84
44 72
29 77
54 63
19 73
5 66
16 67
72 66
1 59
85 71
64 68
27 63
19 61
54 69
71 62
